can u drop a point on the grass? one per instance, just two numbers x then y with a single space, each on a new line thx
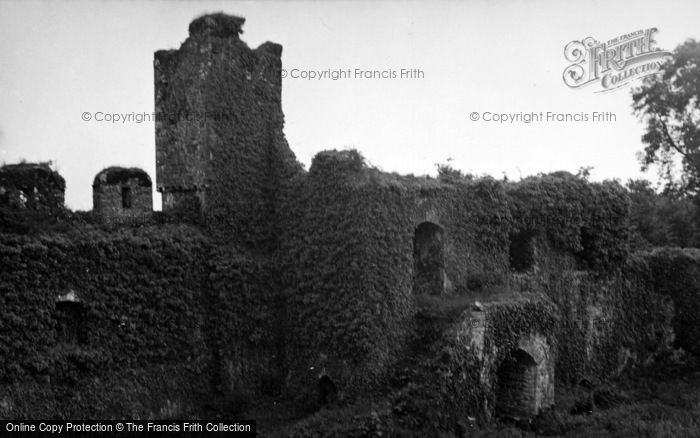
661 403
665 407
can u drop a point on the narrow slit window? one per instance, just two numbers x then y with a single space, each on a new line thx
126 197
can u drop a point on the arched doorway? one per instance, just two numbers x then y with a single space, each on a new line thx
428 259
516 390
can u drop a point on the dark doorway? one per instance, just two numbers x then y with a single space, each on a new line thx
522 251
517 386
327 393
126 197
70 320
428 260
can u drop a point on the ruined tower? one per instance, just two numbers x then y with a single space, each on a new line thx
220 150
122 195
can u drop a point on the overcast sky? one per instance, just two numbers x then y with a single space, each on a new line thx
61 59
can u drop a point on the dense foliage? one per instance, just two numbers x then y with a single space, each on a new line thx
587 219
668 105
661 219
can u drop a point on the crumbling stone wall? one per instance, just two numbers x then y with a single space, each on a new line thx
122 195
31 186
31 196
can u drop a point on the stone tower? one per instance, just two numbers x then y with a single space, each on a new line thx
220 150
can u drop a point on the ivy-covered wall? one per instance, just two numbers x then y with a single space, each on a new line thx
245 315
675 274
349 269
341 241
590 220
476 220
132 322
610 316
348 248
139 309
337 297
347 264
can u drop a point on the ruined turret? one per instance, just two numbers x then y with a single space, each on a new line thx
122 195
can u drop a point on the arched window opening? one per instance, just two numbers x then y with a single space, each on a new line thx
69 317
522 251
428 259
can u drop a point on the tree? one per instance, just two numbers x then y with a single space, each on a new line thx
661 219
669 105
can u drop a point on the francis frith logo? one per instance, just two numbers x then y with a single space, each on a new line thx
613 63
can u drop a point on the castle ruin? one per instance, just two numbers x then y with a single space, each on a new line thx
475 297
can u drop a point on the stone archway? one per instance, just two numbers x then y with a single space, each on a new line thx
428 259
516 390
524 381
533 353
